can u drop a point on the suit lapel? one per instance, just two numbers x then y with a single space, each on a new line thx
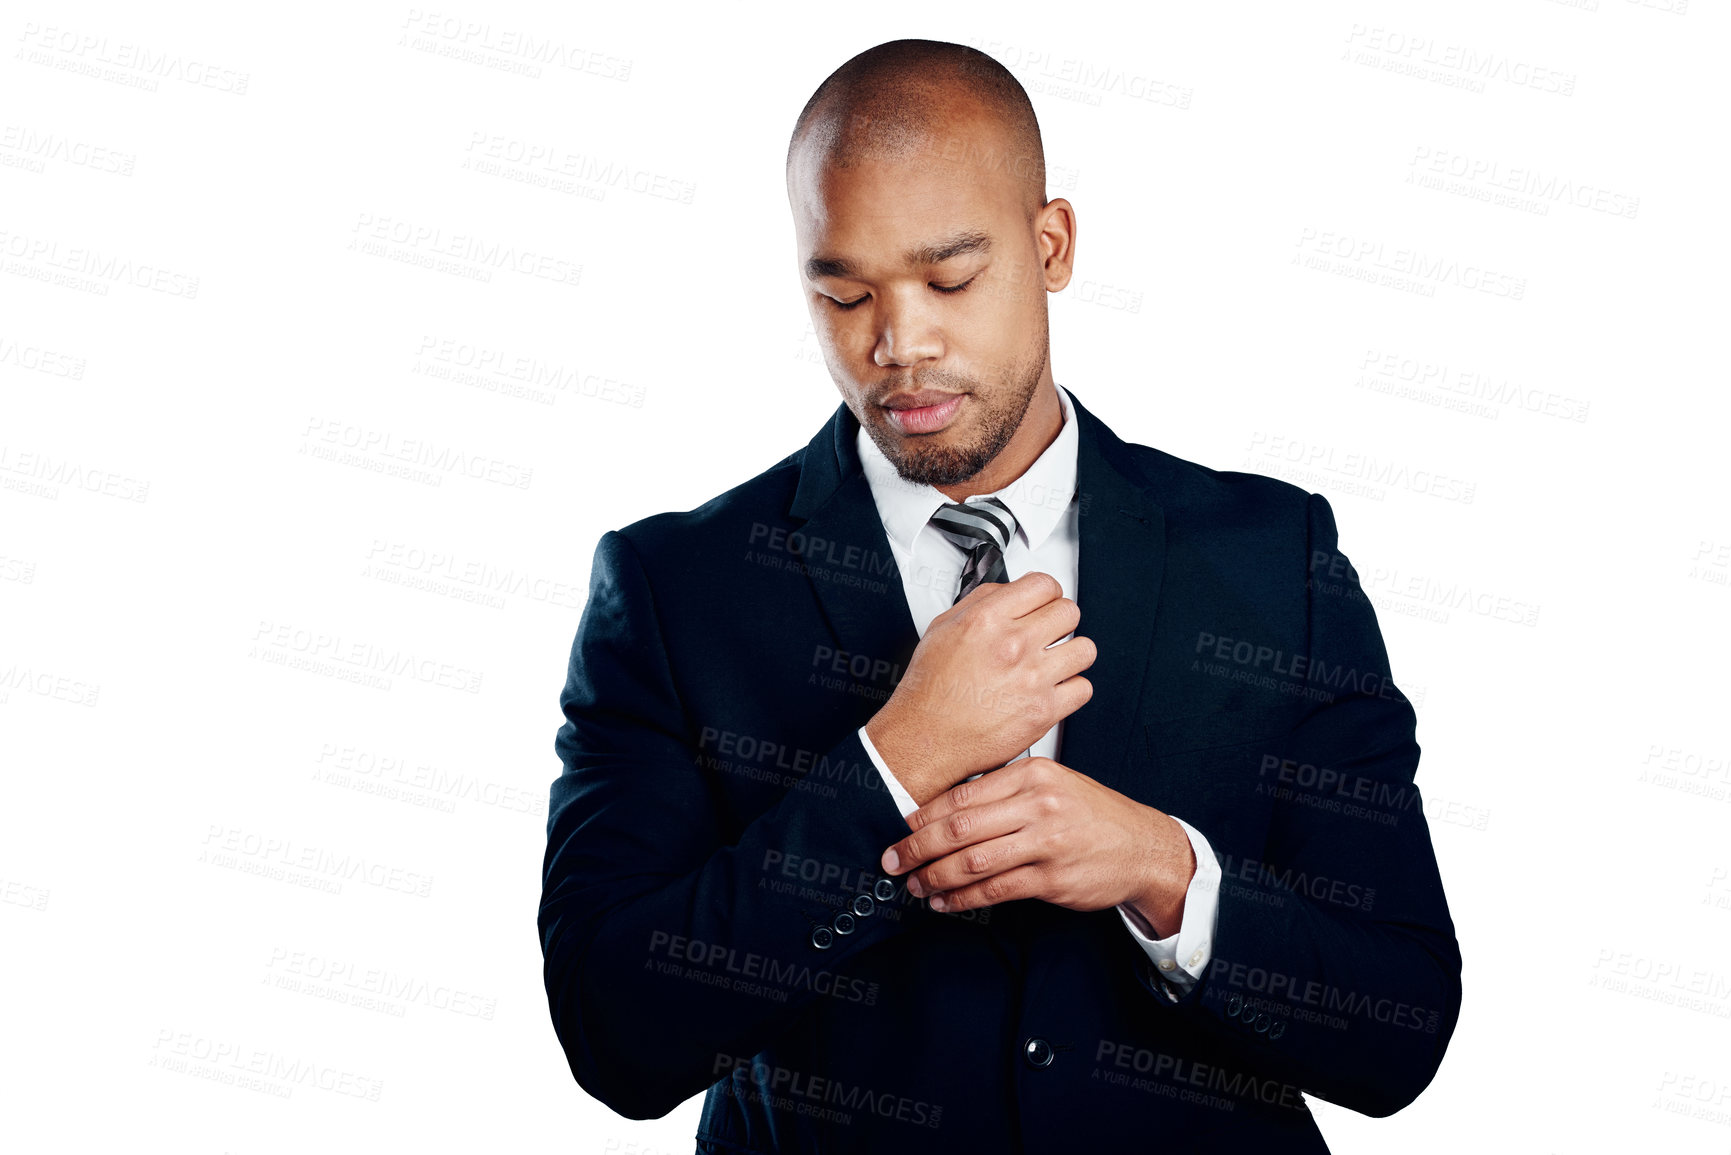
1122 562
862 599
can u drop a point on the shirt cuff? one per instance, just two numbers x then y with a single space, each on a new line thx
903 800
1180 958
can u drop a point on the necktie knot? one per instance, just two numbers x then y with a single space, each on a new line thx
982 528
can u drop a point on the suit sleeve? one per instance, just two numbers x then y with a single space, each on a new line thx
671 952
1335 967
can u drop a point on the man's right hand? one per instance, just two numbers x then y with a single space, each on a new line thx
982 687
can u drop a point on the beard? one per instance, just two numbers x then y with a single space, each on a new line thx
920 459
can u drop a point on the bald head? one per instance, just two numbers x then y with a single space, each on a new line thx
923 102
925 248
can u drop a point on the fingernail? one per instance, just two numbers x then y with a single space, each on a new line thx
914 887
938 902
891 861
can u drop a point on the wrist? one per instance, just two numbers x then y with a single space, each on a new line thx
907 755
1158 900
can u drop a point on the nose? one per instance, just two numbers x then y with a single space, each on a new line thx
908 332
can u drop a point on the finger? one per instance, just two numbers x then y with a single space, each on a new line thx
1051 622
1073 694
1020 882
1020 597
962 828
983 859
1074 656
987 788
950 820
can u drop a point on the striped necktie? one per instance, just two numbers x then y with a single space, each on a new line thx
983 529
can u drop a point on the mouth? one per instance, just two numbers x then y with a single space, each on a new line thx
926 412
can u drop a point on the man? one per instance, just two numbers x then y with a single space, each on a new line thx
973 780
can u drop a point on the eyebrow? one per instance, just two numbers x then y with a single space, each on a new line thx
934 253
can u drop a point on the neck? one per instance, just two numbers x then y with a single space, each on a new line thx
1039 428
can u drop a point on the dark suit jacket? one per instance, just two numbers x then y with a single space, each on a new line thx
712 915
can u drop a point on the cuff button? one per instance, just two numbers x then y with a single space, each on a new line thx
863 905
1276 1030
822 937
843 923
1234 1004
1261 1023
884 889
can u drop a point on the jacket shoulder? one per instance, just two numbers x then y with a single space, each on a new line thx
1193 495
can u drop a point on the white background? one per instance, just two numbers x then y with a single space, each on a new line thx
216 227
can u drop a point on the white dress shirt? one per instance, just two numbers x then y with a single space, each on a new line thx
1047 539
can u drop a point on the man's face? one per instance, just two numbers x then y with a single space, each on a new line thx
926 287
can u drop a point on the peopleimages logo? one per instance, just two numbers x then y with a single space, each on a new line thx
1320 887
1323 996
799 1091
715 962
1300 667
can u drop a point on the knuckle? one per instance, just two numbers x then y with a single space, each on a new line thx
958 824
977 861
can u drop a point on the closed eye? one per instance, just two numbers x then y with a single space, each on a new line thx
844 306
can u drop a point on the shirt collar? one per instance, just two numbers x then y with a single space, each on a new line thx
1038 498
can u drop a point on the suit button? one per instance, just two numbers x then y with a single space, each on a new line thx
843 923
1038 1052
822 937
1276 1030
884 890
863 905
1261 1023
1234 1004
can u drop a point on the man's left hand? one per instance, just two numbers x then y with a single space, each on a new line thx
1038 829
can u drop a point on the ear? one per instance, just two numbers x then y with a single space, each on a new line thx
1055 236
